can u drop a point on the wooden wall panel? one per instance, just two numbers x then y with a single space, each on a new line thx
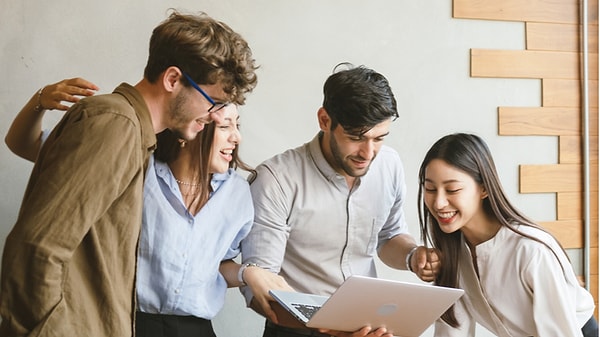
550 178
539 121
558 37
524 64
569 150
564 11
552 54
557 93
568 233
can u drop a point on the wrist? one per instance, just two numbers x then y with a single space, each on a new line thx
241 271
409 258
39 107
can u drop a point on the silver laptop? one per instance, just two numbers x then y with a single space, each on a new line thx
405 309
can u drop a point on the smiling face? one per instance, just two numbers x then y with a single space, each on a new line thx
350 154
454 198
226 138
188 111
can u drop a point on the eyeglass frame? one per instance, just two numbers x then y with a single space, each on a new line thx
215 106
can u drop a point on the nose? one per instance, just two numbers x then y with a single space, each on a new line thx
440 201
236 137
367 150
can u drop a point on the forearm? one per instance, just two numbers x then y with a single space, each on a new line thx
230 269
24 135
393 253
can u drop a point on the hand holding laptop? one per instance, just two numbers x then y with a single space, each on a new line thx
260 281
366 331
288 320
404 309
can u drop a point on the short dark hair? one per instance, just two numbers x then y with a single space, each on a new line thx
358 98
206 49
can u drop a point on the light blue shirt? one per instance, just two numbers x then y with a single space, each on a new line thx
179 254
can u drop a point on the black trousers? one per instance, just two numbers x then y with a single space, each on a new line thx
274 330
156 325
590 329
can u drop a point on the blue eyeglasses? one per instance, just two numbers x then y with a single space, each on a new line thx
216 106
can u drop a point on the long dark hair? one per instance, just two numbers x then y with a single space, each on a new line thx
169 146
470 154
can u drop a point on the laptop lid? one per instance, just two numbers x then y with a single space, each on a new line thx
405 309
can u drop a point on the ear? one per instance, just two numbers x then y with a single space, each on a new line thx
324 120
484 193
171 78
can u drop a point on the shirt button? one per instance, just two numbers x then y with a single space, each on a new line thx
177 291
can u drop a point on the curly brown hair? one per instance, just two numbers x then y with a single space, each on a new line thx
206 49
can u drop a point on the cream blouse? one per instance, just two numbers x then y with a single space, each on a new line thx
523 289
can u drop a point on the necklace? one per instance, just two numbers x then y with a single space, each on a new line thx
187 183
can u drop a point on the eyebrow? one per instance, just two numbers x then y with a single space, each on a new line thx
362 135
450 181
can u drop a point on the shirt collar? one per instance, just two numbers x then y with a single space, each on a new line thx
315 151
141 109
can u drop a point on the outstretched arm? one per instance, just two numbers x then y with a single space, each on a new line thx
24 135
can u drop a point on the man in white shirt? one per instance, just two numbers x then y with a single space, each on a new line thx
324 210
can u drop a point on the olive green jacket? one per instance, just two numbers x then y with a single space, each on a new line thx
68 267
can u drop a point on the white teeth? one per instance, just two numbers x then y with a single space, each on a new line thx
227 151
446 215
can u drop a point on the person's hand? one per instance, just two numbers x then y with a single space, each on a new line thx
260 282
66 90
363 332
426 263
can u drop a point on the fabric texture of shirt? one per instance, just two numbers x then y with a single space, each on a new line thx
68 267
312 229
179 253
523 289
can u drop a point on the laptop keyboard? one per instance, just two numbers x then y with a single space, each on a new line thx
306 309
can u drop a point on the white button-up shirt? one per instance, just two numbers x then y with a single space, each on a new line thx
311 229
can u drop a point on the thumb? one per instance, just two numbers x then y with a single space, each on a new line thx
421 258
269 313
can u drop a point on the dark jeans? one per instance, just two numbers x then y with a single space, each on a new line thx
590 329
156 325
274 330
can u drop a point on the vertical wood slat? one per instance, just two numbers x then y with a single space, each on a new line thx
568 232
557 93
564 11
569 150
539 121
569 206
594 260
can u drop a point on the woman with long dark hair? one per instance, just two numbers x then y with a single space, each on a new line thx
517 278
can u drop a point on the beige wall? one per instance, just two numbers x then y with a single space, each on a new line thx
423 50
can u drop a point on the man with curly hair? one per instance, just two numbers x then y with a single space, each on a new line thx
69 263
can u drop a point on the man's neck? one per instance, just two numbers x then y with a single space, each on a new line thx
154 99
